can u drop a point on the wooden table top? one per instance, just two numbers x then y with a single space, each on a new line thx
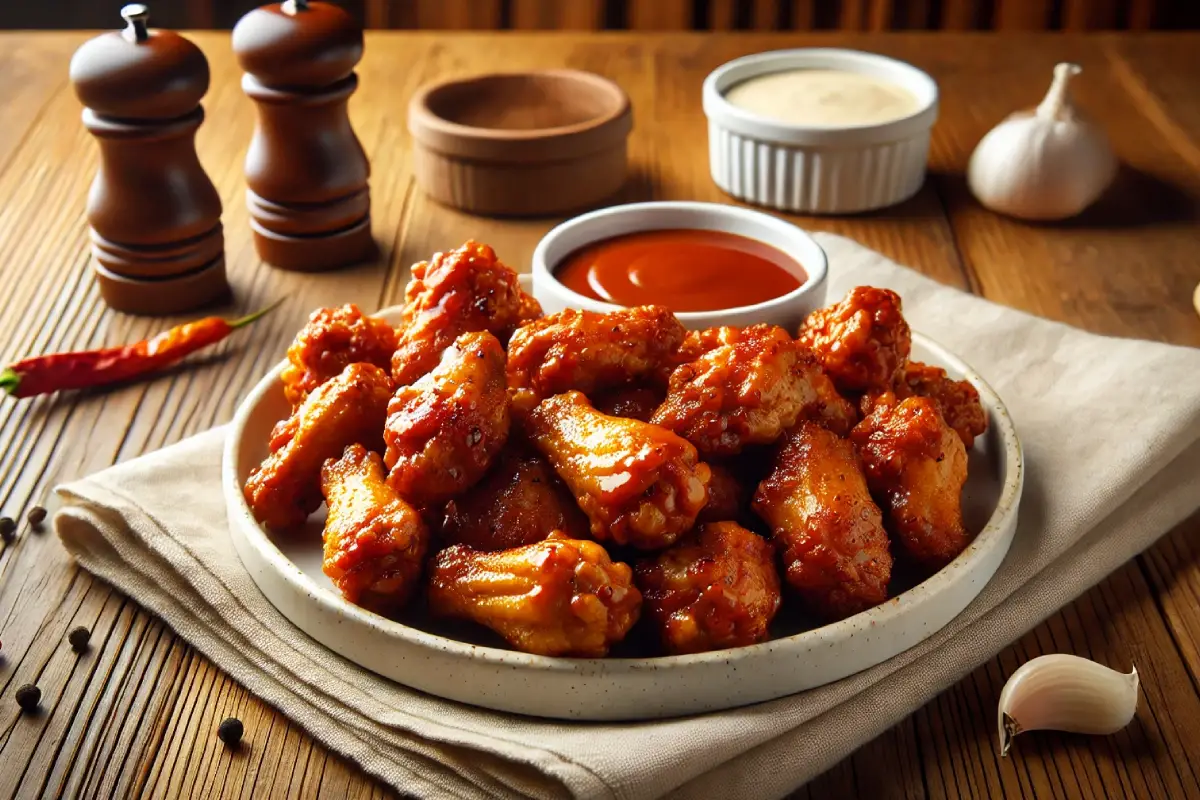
139 713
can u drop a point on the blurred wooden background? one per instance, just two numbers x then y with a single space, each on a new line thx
1005 15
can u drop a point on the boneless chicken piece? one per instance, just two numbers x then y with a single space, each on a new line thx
331 340
462 291
375 542
718 588
445 430
589 351
520 501
637 483
556 597
862 342
829 531
917 465
747 391
348 409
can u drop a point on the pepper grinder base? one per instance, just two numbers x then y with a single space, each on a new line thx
315 253
164 297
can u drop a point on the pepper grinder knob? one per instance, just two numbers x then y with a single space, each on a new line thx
137 17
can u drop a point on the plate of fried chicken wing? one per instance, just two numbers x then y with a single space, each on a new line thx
608 516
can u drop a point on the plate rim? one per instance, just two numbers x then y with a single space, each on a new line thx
828 635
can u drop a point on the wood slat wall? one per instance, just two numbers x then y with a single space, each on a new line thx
651 15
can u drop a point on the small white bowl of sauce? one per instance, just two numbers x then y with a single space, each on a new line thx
709 263
819 130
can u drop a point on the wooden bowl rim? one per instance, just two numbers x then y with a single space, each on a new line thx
470 142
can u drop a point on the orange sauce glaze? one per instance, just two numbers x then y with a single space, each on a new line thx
684 270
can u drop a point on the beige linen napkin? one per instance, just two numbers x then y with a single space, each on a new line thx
1111 432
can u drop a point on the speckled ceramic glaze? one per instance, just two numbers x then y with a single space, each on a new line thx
289 574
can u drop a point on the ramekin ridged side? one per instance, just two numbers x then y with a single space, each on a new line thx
818 170
816 181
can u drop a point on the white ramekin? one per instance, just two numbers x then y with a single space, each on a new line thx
818 169
788 310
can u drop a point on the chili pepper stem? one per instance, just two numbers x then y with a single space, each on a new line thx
244 321
9 381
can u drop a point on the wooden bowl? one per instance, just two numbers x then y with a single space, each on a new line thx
521 144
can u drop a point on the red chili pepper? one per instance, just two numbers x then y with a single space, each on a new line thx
60 371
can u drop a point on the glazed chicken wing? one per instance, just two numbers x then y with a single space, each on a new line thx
333 339
463 291
745 392
444 431
374 541
638 483
917 465
862 342
727 495
345 410
957 400
557 597
710 591
520 501
589 351
829 531
636 401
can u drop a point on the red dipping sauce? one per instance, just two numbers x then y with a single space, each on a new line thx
684 270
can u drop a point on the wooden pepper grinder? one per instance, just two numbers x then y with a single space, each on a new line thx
306 172
155 216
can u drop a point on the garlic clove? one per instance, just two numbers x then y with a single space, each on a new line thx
1196 298
1045 164
1065 693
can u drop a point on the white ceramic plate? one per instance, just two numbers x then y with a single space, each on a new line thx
471 668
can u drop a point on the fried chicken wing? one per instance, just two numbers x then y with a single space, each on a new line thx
829 531
917 465
638 483
746 391
589 351
636 401
375 542
520 501
716 589
957 400
862 342
445 430
557 597
462 291
332 339
727 496
345 410
832 410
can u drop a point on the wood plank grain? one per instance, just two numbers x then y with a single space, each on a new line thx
137 714
552 15
1022 15
662 15
1090 15
961 15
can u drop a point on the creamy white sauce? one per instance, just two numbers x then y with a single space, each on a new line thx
823 97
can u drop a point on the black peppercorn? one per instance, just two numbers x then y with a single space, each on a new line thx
7 528
36 516
79 639
230 732
28 697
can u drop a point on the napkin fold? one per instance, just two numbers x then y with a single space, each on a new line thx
1111 435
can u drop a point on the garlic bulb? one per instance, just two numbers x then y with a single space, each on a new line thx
1066 693
1044 164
